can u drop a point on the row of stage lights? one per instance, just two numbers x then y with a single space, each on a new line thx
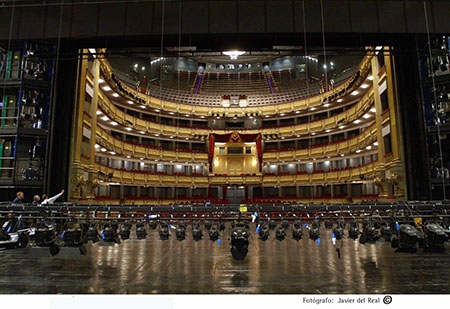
403 235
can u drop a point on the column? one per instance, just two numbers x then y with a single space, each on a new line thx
77 177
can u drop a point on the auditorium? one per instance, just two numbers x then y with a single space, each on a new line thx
192 123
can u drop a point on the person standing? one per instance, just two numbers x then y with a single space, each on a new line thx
36 200
19 198
52 199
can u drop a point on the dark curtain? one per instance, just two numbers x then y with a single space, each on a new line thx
211 152
224 190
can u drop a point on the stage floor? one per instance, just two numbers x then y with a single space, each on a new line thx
153 266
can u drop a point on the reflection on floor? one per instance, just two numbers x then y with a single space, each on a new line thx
153 266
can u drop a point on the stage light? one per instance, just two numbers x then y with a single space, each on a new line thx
197 233
297 231
125 230
213 233
407 238
109 233
239 234
141 232
435 237
280 233
164 231
263 231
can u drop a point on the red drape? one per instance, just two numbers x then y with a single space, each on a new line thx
211 152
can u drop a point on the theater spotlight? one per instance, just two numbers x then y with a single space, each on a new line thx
72 236
369 233
153 221
386 231
109 233
213 233
353 230
92 233
125 231
239 234
197 233
435 237
180 231
406 239
338 232
280 233
141 232
164 231
45 236
263 231
297 231
314 230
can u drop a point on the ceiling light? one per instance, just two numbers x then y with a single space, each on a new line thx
98 112
358 151
105 118
373 109
115 95
355 92
326 105
368 147
341 127
130 102
367 116
364 86
106 88
143 106
113 123
356 121
375 144
112 152
100 81
339 100
128 129
103 149
370 77
234 54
